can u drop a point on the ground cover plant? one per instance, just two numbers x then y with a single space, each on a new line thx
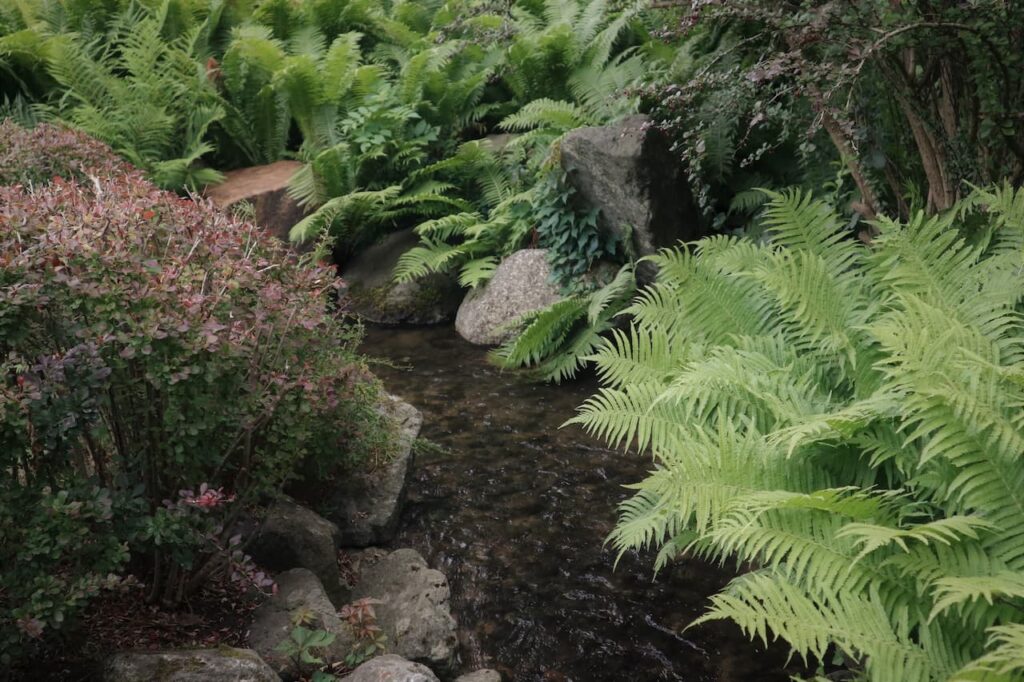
166 367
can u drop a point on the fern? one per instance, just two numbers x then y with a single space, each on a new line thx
558 341
845 417
144 95
467 241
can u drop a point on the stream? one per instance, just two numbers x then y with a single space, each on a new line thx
516 511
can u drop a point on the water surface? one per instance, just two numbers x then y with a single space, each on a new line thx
516 513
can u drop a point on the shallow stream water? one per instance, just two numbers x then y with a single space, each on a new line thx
516 511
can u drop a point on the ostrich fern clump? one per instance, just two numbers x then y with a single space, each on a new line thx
846 419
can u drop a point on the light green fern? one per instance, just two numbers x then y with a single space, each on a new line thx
847 419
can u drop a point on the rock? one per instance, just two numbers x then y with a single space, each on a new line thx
298 592
292 536
266 188
520 285
366 504
373 295
628 172
414 611
391 668
188 665
485 675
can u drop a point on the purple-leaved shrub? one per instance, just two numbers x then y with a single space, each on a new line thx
150 344
35 156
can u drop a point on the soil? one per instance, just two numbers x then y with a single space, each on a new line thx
220 615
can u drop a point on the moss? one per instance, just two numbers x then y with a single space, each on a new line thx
231 652
425 447
381 303
168 668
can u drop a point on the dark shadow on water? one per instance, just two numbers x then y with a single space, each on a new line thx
516 514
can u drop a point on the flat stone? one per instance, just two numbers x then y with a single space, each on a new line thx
299 593
266 188
490 314
414 611
367 504
374 296
391 668
224 664
292 536
484 675
630 174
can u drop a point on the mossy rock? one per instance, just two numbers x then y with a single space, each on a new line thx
189 665
375 297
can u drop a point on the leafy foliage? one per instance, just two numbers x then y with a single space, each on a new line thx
142 94
845 418
556 341
35 157
472 242
377 98
572 239
360 618
150 344
913 100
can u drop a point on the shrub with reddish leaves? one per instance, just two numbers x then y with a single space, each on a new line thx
149 344
36 156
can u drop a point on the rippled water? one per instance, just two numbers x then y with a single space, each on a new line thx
516 514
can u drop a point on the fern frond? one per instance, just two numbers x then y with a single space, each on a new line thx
349 212
547 114
543 333
431 256
477 271
768 606
1004 660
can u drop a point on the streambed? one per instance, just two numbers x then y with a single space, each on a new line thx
516 513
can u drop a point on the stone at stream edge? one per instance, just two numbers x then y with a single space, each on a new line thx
375 297
266 188
521 284
366 504
391 668
484 675
224 664
628 171
297 590
292 536
414 611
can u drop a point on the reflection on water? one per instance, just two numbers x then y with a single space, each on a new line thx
516 514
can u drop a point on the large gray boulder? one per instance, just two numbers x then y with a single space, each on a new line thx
188 665
265 188
414 611
292 536
374 296
521 284
484 675
628 171
391 668
367 504
300 597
